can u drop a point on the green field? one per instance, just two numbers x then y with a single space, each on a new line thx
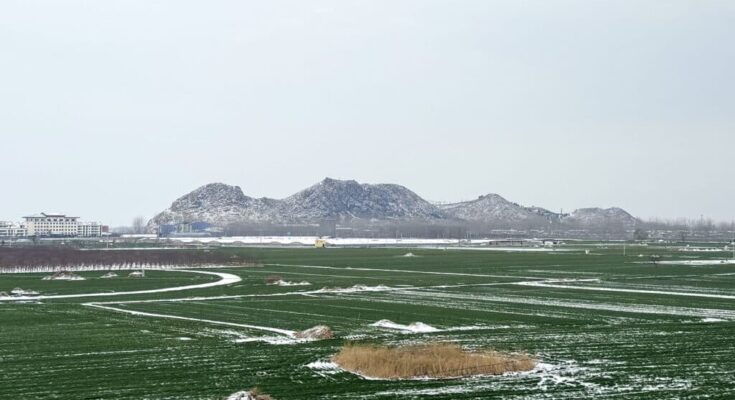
602 326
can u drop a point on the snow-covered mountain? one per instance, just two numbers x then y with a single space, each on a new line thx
336 199
601 216
332 199
217 204
493 208
348 200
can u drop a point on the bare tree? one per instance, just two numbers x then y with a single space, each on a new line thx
138 225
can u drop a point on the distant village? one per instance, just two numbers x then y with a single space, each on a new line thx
52 225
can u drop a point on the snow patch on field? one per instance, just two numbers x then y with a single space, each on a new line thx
414 327
239 337
555 284
281 282
324 368
420 327
284 332
354 289
226 279
697 262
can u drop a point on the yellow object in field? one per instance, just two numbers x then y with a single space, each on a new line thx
320 243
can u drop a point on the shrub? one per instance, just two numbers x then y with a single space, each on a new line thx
435 360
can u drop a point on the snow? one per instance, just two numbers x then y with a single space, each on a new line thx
698 262
548 284
414 327
242 395
227 279
284 332
420 327
353 289
63 276
23 292
713 320
281 282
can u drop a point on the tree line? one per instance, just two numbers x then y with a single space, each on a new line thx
65 257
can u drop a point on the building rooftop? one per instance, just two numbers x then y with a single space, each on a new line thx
49 215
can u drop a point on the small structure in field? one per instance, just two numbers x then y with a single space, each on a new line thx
433 360
109 275
63 276
136 274
319 332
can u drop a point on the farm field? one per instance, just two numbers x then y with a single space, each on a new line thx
601 325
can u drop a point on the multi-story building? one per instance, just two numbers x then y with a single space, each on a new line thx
10 229
90 229
48 224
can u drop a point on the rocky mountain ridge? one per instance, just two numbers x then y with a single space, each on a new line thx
344 201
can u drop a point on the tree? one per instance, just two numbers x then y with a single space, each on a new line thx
640 234
138 225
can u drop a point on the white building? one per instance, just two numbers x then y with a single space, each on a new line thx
89 229
10 229
46 224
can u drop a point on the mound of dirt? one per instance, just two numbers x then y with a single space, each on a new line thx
409 255
319 332
136 274
433 360
4 294
252 394
109 275
63 276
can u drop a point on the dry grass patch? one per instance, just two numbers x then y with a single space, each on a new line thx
433 360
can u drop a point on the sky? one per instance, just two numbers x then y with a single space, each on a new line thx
113 109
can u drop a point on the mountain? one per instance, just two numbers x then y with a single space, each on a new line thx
347 201
330 199
601 216
343 200
494 209
218 204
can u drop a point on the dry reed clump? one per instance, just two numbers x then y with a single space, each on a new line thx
433 360
272 279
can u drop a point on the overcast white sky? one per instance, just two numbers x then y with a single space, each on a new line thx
112 109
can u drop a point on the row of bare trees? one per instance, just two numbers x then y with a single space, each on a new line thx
65 257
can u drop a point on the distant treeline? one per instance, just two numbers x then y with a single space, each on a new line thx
701 229
64 257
